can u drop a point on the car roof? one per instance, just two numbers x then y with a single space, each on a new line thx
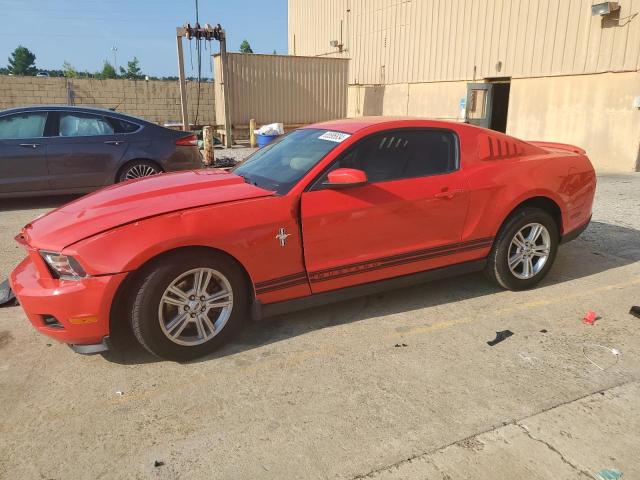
352 125
73 108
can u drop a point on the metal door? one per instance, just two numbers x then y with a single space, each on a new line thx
479 100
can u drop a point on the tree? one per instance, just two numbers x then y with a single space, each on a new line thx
245 47
107 71
69 70
133 69
22 62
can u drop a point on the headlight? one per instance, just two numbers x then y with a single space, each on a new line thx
63 266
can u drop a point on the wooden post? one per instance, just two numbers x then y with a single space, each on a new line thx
226 90
252 135
183 83
207 136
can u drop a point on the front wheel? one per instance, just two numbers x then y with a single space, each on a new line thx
524 249
188 304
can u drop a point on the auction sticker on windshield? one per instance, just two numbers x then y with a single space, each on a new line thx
334 136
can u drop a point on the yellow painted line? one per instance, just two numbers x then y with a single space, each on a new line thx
525 306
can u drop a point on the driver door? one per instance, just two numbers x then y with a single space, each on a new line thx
407 218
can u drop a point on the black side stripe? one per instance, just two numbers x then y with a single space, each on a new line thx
286 278
280 286
300 278
478 243
376 265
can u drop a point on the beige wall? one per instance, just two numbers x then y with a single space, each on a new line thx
400 41
439 100
282 88
594 112
154 100
591 111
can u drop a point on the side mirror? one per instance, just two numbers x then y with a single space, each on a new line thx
345 177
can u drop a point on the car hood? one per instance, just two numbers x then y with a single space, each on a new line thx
135 200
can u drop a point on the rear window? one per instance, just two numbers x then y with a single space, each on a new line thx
122 126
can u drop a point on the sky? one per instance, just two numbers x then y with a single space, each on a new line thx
82 32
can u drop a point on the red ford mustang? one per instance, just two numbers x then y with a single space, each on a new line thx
330 211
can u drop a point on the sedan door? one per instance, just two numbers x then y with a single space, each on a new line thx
23 162
85 153
408 217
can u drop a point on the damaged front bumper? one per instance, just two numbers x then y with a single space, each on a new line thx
75 312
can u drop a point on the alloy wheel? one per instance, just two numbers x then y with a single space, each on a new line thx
529 251
139 171
195 306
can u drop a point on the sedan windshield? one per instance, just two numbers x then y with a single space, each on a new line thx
280 165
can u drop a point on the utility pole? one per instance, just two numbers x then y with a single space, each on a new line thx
226 89
183 83
207 33
114 49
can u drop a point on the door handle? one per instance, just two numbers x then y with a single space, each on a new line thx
448 194
114 142
30 145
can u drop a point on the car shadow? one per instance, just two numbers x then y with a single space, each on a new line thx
601 247
53 201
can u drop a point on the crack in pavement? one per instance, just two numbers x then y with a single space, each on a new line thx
515 422
556 451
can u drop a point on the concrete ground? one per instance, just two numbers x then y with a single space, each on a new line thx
327 393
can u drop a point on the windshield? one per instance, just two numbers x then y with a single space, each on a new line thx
280 165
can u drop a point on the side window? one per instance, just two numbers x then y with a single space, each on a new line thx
23 125
122 126
83 125
401 154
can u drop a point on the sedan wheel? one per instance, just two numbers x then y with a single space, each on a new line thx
138 169
188 303
195 306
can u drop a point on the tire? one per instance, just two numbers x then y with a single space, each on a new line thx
523 275
138 169
155 309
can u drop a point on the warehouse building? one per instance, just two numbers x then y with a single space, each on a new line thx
555 70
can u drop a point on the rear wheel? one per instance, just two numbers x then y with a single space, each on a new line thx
188 304
524 249
138 169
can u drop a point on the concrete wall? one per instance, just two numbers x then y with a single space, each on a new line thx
154 100
594 112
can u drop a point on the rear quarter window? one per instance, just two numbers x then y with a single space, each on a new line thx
122 126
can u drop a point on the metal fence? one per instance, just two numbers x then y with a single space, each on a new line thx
280 88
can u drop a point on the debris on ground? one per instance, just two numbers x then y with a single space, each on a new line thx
7 297
400 345
224 162
158 463
500 336
635 311
614 351
590 318
609 474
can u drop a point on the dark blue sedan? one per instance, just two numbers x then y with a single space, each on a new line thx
47 150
